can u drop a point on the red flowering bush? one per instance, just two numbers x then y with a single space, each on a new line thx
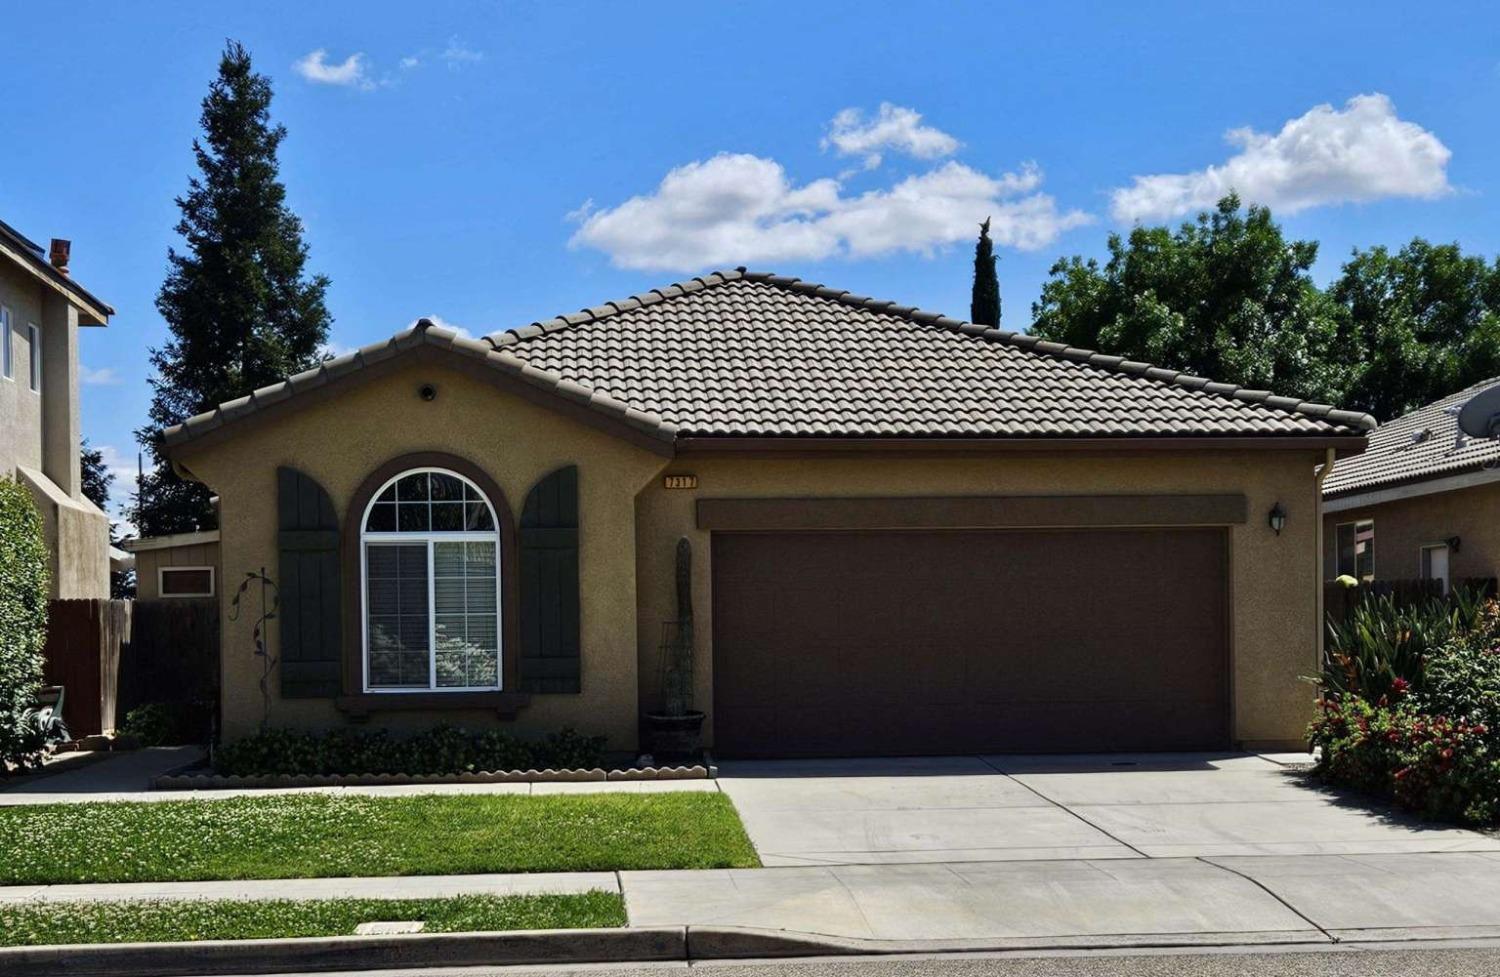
1433 748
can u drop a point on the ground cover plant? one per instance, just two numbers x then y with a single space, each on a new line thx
1409 704
322 835
171 921
439 750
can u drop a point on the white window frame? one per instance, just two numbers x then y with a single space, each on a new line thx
161 577
411 538
34 356
1354 571
1422 552
7 345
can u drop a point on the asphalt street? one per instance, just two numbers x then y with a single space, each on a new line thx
1479 959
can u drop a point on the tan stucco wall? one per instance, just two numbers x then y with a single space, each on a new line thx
340 442
1403 527
1273 579
39 435
148 562
20 406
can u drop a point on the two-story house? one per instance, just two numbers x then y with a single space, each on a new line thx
41 311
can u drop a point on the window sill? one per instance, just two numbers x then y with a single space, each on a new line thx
360 705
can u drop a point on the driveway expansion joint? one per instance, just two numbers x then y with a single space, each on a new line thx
1332 938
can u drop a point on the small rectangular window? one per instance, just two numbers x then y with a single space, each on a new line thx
34 346
7 353
1356 549
185 581
1435 563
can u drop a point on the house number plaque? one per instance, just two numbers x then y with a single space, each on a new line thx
681 481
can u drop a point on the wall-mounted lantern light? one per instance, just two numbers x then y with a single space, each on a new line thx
1277 518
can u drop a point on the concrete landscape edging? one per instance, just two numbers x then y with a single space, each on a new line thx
211 781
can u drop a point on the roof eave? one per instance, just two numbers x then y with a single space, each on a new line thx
689 445
92 312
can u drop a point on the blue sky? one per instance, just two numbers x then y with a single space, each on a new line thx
494 163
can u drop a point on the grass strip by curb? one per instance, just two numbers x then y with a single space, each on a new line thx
322 835
178 920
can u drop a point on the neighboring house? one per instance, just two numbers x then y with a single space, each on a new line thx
910 535
1423 501
41 311
174 567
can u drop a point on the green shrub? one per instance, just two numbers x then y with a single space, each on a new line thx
439 750
23 625
1423 729
1387 637
169 724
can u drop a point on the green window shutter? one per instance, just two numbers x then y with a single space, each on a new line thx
308 540
549 584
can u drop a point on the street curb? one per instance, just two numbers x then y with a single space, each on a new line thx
665 944
213 781
211 957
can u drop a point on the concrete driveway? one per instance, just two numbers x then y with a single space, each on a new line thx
1015 808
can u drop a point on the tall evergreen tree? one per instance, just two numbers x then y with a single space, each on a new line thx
241 310
984 307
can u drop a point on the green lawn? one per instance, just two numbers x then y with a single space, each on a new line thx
318 835
170 921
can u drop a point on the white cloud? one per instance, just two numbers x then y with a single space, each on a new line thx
409 62
442 323
739 208
105 376
1361 152
458 53
352 72
893 128
122 490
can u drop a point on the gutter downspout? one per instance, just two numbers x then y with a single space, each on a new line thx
1323 473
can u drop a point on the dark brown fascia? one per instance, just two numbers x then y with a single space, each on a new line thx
971 512
687 447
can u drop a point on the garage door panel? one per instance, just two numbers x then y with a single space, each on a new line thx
933 642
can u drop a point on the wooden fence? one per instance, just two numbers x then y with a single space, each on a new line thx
1339 601
113 655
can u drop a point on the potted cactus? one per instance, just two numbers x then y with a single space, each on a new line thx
675 732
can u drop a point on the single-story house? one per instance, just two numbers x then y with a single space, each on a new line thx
1423 501
910 534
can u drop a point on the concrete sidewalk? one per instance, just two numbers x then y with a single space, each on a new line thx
988 905
1116 902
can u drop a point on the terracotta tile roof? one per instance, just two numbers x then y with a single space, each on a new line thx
1423 444
745 354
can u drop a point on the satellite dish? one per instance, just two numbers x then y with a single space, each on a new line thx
1480 417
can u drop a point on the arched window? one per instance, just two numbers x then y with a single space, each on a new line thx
430 574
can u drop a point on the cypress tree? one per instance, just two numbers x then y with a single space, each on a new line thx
241 310
984 308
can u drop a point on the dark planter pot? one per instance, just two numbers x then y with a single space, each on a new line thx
672 737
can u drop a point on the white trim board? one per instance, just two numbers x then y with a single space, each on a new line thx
168 542
1431 486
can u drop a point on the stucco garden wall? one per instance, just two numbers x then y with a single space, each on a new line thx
1273 579
342 440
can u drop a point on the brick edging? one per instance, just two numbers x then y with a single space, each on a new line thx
212 781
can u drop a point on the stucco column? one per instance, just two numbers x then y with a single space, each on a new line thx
62 428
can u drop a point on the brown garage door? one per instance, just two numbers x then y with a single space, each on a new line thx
888 643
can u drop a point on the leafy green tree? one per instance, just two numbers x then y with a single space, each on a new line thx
241 310
1425 322
984 307
96 477
1225 296
23 623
